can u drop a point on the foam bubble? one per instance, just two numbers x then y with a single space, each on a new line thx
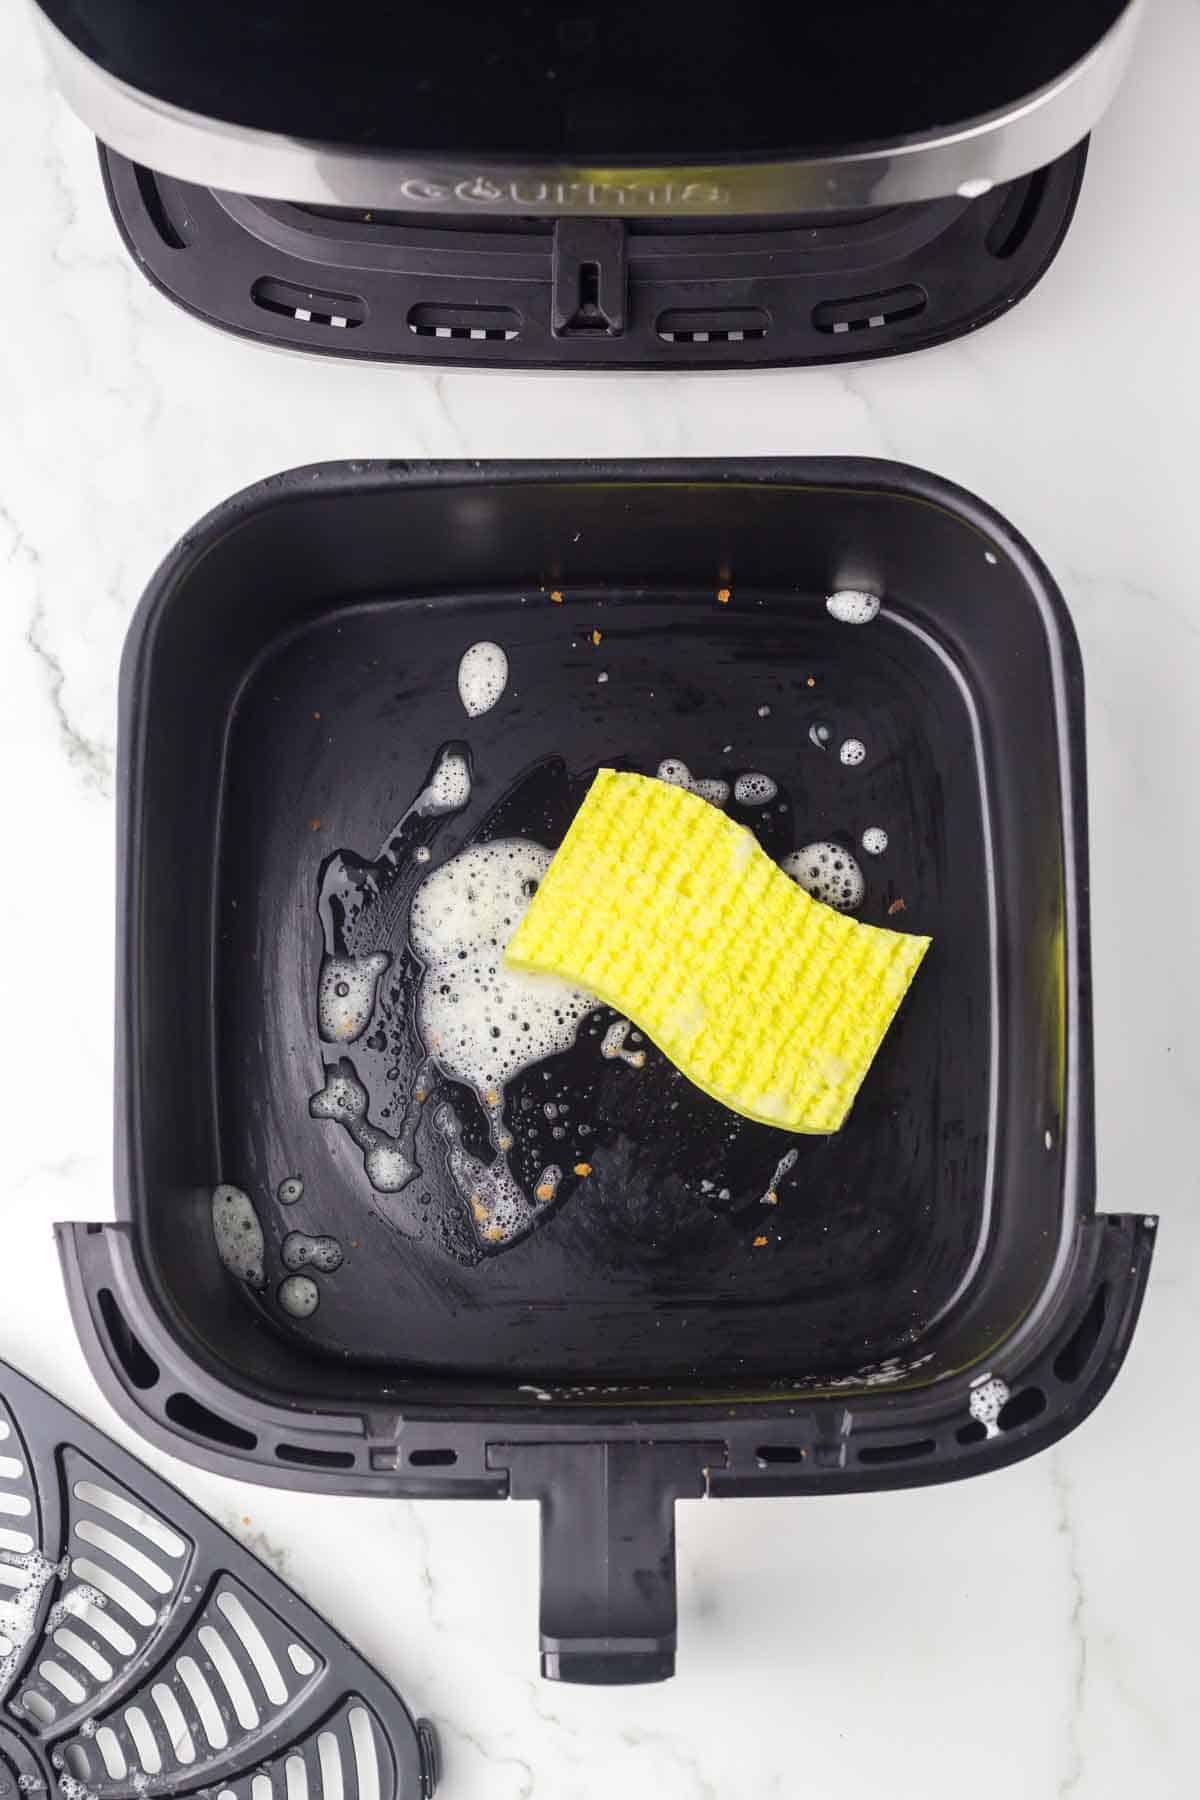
754 789
481 1021
448 788
850 606
300 1251
346 995
290 1189
238 1235
677 774
828 873
482 678
988 1400
20 1603
390 1162
298 1296
612 1046
500 1209
852 752
874 840
819 736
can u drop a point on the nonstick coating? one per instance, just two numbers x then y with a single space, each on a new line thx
638 1268
289 682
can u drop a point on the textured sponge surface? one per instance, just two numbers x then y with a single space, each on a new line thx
671 912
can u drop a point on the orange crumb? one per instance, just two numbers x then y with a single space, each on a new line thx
556 596
724 596
583 1168
492 1097
896 906
316 715
545 1190
771 1199
811 682
493 1234
597 637
760 1243
314 824
245 1518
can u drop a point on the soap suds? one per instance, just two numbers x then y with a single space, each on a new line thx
874 840
853 752
828 873
754 789
238 1235
482 678
301 1251
298 1296
346 995
390 1162
19 1609
290 1190
852 607
677 774
612 1046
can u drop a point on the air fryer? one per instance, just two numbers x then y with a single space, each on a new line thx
536 186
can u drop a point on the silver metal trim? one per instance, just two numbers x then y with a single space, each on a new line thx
967 160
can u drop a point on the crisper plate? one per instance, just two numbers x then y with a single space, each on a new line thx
144 1652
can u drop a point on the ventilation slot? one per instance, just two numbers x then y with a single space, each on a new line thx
309 306
474 324
366 1758
117 1507
115 1590
778 1453
174 1723
315 1459
869 312
204 1701
196 1419
256 1647
222 1659
724 325
1076 1353
139 1368
329 1756
147 1571
1022 1409
1016 217
896 1453
433 1459
156 210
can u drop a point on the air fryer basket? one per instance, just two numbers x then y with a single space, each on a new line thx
932 1296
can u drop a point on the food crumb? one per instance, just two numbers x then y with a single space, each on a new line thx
597 637
545 1190
760 1243
897 906
316 715
556 596
811 682
314 824
771 1199
245 1518
724 596
583 1168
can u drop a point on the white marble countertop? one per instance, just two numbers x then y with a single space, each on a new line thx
1033 1633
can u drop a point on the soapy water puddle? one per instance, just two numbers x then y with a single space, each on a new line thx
498 1089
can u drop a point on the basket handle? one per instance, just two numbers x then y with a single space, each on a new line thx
608 1613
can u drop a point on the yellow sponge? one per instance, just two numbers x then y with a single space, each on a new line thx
668 910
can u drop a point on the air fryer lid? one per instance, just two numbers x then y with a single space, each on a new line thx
420 94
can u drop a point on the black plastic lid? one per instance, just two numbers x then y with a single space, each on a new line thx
630 81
